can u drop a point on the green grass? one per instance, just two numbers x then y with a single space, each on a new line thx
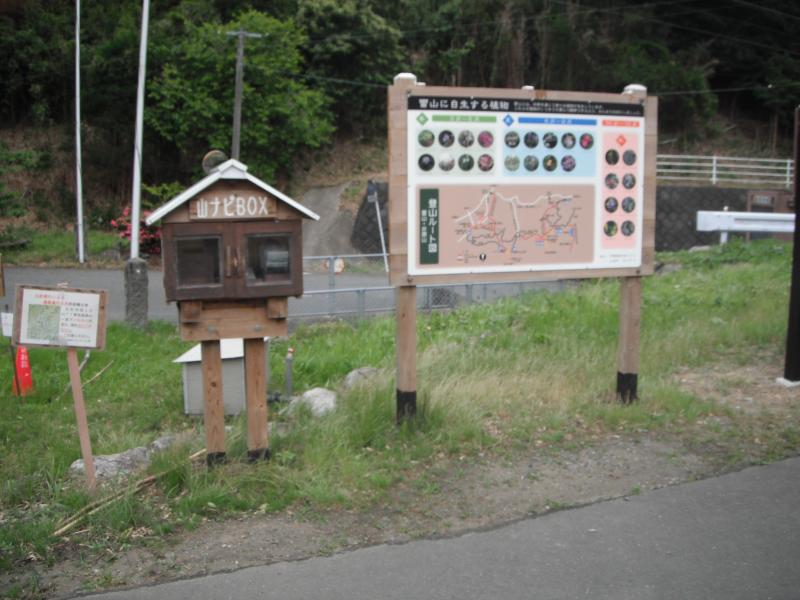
538 370
56 247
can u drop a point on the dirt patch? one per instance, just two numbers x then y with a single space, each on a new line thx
750 389
458 495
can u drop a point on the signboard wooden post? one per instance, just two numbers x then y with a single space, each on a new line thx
64 318
490 185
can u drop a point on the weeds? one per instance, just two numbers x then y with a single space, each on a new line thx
536 371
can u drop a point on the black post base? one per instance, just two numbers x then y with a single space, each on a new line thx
260 454
626 387
406 405
215 458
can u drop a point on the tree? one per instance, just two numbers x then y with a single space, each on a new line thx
191 97
349 44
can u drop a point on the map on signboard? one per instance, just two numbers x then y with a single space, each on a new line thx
506 225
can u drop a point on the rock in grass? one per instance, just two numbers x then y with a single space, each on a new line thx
109 466
320 401
359 376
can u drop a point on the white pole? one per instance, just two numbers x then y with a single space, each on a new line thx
372 196
78 166
137 144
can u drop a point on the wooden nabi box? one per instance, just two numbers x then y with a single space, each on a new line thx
232 254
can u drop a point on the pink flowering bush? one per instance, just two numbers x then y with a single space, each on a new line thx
149 235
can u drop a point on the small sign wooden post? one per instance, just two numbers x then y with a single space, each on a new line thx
491 185
64 318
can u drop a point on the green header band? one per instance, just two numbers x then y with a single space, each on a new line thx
463 119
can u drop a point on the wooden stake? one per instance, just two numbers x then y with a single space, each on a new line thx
406 300
80 416
256 391
214 410
630 306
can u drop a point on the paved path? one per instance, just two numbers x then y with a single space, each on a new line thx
113 280
727 538
314 304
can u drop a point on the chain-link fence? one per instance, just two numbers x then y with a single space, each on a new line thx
360 302
676 213
357 285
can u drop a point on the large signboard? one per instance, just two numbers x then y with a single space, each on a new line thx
517 183
59 317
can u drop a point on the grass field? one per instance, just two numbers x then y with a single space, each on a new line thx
57 248
492 378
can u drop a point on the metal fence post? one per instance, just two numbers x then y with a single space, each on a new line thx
723 235
361 302
289 362
788 173
714 170
331 285
331 272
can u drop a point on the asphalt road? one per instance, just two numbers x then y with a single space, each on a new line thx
316 303
728 538
113 280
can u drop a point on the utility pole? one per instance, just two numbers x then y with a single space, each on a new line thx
237 99
78 166
791 371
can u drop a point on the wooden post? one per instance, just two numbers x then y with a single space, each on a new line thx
214 410
630 308
80 416
406 301
256 391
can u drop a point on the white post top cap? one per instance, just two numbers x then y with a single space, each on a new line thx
635 88
410 77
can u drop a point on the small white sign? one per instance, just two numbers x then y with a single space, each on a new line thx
8 323
60 317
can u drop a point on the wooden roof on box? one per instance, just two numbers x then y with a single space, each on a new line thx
230 170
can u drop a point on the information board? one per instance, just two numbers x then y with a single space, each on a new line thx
59 317
500 184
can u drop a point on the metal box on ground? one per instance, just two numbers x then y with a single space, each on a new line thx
233 387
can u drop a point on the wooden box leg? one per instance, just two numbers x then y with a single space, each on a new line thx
214 410
630 308
256 392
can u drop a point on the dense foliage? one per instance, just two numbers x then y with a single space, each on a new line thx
322 66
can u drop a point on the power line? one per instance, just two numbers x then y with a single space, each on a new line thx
706 31
484 23
355 83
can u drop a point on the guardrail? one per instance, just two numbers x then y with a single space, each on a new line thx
743 222
725 169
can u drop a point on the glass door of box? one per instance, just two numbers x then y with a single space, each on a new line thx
271 259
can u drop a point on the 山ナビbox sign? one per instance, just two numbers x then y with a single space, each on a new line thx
221 203
60 317
520 183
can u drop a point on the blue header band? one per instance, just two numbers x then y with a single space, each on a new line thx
557 121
